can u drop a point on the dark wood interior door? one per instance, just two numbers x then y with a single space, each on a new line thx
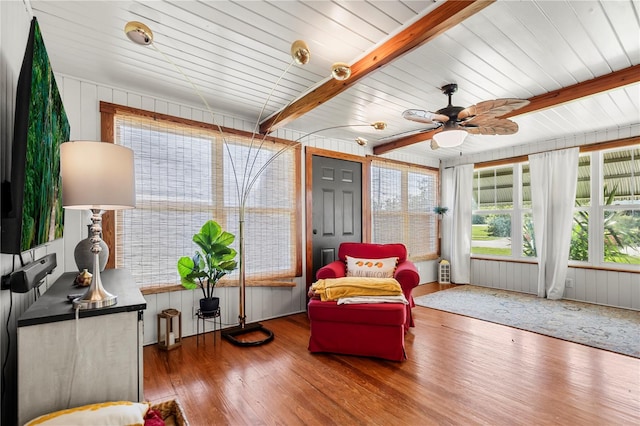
337 207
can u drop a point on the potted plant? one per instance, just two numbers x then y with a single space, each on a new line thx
440 210
212 262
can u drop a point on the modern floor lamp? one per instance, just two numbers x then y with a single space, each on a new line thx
96 176
140 34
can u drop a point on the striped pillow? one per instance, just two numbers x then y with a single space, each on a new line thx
105 413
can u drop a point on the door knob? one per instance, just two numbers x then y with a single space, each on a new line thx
315 231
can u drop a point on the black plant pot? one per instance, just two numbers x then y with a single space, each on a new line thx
209 305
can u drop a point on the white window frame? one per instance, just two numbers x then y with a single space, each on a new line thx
595 210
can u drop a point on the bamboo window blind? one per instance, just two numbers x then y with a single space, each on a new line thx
186 175
402 200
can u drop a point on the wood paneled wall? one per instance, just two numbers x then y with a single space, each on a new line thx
620 289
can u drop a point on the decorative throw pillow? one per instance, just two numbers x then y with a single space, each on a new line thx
376 268
106 413
153 418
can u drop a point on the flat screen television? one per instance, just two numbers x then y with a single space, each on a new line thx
32 212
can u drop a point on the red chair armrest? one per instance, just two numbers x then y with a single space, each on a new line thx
407 275
335 269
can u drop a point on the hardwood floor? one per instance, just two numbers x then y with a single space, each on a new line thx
459 371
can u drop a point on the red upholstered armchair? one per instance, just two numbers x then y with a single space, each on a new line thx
373 329
406 272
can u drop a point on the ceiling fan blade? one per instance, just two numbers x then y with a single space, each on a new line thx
486 125
493 108
422 116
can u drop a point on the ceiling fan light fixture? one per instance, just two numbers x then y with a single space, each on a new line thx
340 71
138 33
450 138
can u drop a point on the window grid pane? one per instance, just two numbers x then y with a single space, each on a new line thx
579 249
528 236
620 198
583 187
493 189
621 176
491 234
402 202
526 186
621 237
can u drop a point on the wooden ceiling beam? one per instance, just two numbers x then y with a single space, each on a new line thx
552 99
404 141
428 27
576 91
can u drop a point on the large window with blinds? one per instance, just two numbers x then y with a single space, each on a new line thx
402 200
186 175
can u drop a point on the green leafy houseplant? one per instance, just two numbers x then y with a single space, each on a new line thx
440 210
213 261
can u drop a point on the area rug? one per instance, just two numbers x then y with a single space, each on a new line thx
612 329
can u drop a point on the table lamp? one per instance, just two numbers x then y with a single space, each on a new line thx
96 176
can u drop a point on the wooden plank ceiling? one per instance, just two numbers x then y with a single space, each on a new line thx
577 61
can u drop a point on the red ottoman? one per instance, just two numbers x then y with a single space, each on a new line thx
368 329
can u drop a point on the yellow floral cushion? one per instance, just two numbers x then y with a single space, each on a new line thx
105 413
372 268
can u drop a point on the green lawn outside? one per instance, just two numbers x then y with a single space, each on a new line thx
479 233
493 251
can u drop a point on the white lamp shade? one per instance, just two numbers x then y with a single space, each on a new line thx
97 175
450 138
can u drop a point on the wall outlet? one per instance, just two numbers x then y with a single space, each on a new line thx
568 283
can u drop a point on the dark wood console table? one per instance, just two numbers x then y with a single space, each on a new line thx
63 363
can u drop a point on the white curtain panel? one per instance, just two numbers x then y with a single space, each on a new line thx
446 222
553 191
457 183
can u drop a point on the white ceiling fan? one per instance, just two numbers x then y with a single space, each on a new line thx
456 122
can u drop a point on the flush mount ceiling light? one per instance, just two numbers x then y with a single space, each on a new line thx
138 33
361 141
300 52
340 71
